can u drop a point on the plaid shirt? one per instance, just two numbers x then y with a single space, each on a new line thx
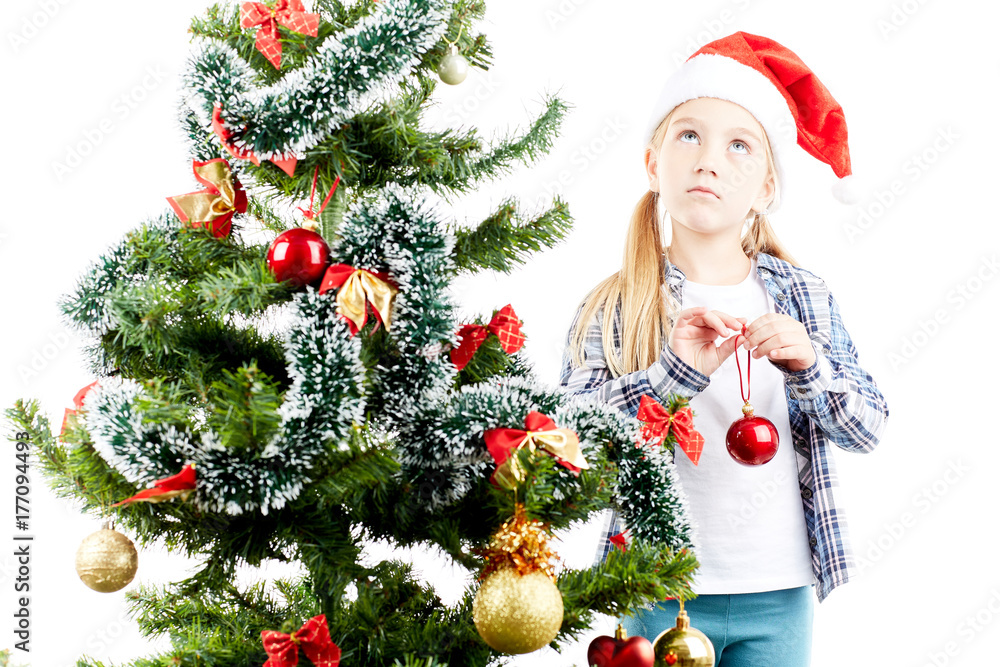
835 401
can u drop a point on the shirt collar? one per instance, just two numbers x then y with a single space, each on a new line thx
765 263
773 264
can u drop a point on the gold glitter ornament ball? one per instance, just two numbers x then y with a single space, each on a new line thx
106 561
517 613
683 646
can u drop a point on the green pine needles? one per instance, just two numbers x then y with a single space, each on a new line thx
308 441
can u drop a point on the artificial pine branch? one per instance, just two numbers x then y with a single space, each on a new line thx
159 302
154 341
244 409
75 471
160 610
459 164
623 582
263 212
505 240
537 141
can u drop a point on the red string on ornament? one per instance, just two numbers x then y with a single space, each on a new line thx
308 214
739 370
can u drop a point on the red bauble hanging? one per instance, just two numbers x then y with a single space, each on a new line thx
751 440
619 651
298 255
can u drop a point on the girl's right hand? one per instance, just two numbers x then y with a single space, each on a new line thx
693 337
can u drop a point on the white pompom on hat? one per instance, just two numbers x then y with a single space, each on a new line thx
781 92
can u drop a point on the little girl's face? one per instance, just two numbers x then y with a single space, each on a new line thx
713 145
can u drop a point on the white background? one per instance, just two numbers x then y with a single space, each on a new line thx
907 74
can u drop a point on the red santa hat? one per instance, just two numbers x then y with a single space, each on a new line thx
781 92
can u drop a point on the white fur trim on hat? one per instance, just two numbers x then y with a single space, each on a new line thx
850 189
713 75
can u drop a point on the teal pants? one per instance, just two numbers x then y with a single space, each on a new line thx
769 628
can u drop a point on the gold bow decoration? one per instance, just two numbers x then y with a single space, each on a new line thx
520 543
541 433
214 206
357 289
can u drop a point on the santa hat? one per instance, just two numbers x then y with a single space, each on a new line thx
781 92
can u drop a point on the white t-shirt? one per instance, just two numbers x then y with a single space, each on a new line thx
750 522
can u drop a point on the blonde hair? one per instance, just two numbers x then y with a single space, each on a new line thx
647 308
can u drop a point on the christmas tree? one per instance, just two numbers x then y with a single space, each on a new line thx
286 383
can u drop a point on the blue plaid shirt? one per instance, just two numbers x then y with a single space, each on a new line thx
835 401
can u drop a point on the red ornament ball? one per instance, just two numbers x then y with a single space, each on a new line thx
299 255
751 440
619 651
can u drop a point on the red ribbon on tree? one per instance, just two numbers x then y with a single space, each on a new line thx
505 325
289 13
659 421
78 405
286 165
180 484
619 541
214 206
314 638
541 433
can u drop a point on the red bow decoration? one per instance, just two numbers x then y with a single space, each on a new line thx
286 165
314 637
78 403
289 13
358 290
540 433
619 541
505 325
214 206
659 421
180 484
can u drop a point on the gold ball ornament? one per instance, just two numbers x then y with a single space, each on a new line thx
683 646
518 613
106 561
454 67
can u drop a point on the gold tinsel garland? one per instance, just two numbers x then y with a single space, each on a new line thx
520 543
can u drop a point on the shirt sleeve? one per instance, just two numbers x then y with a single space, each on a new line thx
668 374
836 392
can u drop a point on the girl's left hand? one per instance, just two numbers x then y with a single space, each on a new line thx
782 338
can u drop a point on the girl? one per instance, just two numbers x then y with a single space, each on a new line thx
771 535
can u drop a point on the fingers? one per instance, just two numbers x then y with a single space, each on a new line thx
767 326
782 339
773 346
691 313
714 320
722 323
731 323
727 347
793 357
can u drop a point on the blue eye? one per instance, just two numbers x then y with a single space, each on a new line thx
746 148
687 132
